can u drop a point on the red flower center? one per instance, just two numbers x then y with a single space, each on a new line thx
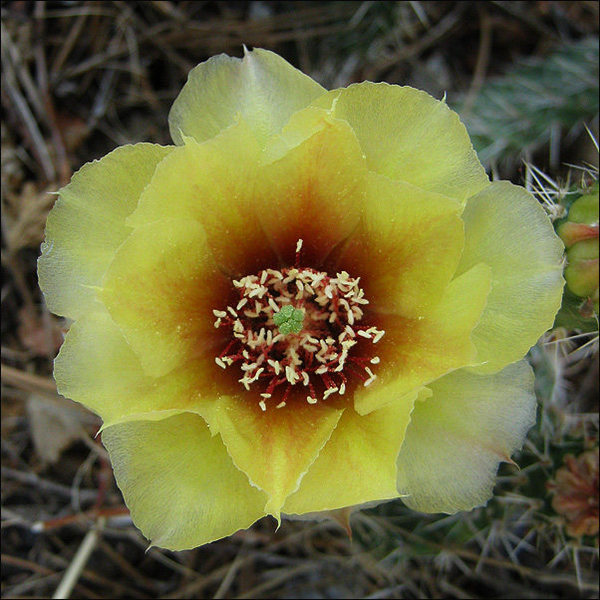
319 352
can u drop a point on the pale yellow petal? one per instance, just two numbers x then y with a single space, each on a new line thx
254 214
179 483
302 125
315 192
506 228
406 248
457 438
408 135
216 184
87 225
161 289
358 463
415 351
96 366
262 87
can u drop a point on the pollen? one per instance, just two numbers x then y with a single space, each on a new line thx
297 328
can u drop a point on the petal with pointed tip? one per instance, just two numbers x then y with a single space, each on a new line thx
275 447
358 463
262 87
179 482
457 438
410 136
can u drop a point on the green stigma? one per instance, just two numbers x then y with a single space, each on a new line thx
289 319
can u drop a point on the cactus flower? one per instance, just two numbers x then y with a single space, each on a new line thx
313 300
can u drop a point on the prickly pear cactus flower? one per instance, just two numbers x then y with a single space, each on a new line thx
313 300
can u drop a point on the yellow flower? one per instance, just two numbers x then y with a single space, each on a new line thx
313 300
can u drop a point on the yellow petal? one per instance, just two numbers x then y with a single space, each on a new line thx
87 225
358 463
457 438
254 214
214 184
315 192
407 248
415 351
161 289
302 125
96 366
262 87
275 447
506 228
409 136
179 482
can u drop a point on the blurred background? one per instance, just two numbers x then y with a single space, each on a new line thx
79 79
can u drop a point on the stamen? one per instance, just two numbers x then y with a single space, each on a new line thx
276 366
298 250
328 392
371 379
378 336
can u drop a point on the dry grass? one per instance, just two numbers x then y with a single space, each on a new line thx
78 79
